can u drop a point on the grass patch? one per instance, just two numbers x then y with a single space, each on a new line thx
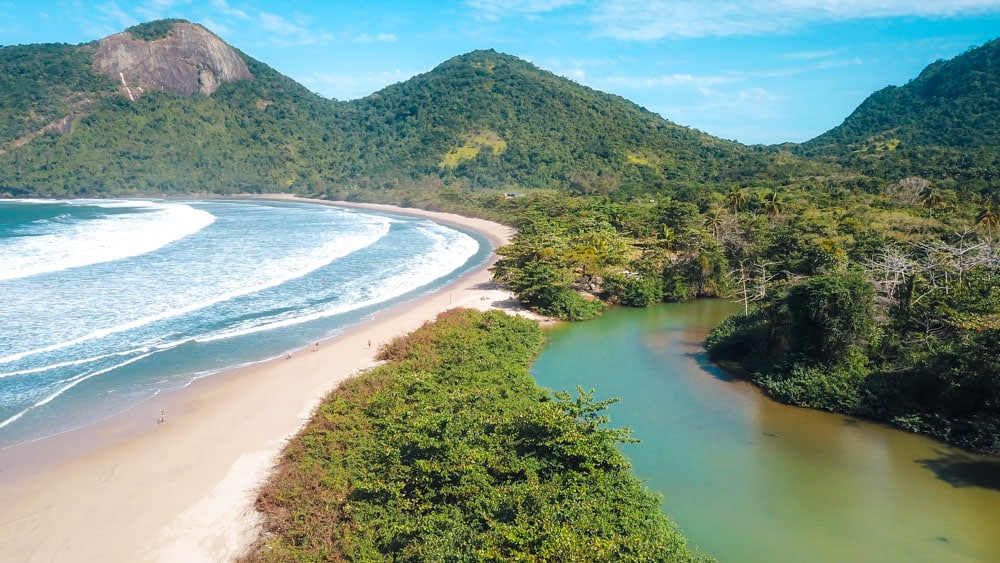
473 145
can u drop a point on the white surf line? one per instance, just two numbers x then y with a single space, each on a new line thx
291 275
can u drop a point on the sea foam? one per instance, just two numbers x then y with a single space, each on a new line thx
250 281
55 246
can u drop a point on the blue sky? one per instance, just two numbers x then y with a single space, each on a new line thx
757 71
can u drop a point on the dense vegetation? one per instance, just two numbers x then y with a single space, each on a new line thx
264 134
492 120
449 452
151 31
42 84
942 126
479 121
912 339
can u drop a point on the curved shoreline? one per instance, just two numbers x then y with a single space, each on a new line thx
128 488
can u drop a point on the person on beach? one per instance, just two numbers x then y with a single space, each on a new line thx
163 417
316 347
369 343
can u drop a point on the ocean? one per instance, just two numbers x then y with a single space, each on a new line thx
106 303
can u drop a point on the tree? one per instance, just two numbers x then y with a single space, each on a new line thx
736 197
831 315
987 219
906 192
773 204
713 220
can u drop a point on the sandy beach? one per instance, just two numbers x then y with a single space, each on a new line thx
132 489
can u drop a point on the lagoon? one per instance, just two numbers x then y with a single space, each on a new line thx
750 479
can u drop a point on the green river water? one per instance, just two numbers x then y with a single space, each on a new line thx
749 479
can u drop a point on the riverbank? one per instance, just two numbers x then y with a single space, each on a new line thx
131 488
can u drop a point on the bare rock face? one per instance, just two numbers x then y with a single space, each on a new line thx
189 59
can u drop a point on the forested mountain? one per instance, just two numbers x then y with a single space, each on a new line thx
480 120
497 120
66 129
943 125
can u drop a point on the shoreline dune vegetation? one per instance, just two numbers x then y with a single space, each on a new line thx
449 451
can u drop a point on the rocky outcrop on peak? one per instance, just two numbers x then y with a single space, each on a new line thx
189 59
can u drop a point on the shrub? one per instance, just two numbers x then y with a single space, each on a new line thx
450 452
633 290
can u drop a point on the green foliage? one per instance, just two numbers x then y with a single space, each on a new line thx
740 338
262 135
151 31
808 347
570 305
633 289
831 316
483 120
702 274
631 253
40 85
952 391
925 359
450 452
833 387
555 132
943 124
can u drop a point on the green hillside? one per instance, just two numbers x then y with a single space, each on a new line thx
943 125
483 120
498 121
264 134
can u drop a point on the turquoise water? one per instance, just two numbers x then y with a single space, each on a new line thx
748 479
108 302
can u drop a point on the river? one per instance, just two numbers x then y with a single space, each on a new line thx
750 479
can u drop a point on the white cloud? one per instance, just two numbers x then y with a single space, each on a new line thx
807 55
223 7
278 24
155 9
381 37
288 33
495 9
700 83
708 84
353 86
646 20
215 27
757 95
112 13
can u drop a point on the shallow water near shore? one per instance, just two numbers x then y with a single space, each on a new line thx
749 479
108 303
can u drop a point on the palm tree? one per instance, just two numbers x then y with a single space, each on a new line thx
773 204
932 199
668 237
713 220
736 197
988 219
